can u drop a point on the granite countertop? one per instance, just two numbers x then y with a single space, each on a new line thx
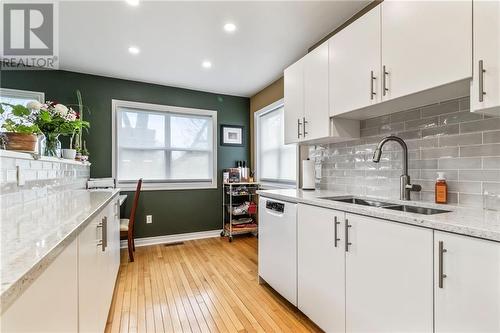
35 232
474 222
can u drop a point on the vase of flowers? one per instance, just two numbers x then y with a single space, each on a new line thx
21 134
55 119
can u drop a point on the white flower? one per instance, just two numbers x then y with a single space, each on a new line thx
34 105
61 109
71 116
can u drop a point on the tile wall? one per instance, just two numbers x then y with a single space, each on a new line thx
42 177
440 137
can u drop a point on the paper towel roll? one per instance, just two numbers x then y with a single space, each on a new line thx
308 174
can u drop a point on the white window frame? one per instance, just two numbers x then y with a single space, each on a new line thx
170 185
15 93
269 184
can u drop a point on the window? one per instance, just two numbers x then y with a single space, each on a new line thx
275 161
15 97
169 147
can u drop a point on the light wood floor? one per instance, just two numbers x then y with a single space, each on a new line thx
199 286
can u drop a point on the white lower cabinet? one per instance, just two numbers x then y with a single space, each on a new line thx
362 274
98 262
74 293
321 266
389 276
467 288
50 303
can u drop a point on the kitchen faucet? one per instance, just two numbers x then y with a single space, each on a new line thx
405 186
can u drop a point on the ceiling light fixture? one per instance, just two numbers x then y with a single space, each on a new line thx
134 50
229 27
133 2
206 64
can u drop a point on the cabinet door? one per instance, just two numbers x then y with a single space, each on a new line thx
321 267
389 277
316 109
425 44
294 101
89 277
50 304
355 65
469 298
487 54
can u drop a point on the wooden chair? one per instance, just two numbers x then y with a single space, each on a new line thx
127 225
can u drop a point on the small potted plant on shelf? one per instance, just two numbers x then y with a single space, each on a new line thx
21 133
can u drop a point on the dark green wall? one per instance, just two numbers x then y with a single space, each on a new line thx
173 212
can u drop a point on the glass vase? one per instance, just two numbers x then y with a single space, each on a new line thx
52 145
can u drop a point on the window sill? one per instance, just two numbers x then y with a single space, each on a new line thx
166 186
276 186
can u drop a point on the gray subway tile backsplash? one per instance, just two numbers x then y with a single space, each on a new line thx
442 137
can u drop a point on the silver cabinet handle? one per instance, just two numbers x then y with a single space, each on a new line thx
347 243
441 251
372 78
104 233
384 81
481 81
335 231
298 128
304 122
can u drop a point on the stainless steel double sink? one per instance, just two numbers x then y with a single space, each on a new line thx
387 205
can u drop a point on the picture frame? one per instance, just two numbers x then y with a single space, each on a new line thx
232 135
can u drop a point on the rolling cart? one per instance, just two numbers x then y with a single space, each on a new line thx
239 209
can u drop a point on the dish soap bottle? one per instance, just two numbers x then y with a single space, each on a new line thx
441 189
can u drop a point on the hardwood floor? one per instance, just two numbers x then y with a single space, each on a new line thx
205 285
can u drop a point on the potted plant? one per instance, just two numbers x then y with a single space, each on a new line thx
70 153
21 133
53 120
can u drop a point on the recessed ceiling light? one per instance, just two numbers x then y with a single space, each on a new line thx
206 64
229 27
134 50
133 2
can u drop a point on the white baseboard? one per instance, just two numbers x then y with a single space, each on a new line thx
173 238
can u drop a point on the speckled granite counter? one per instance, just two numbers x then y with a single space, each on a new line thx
35 232
466 221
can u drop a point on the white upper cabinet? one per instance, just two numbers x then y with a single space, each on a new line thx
294 101
316 111
425 44
485 88
467 287
355 65
389 276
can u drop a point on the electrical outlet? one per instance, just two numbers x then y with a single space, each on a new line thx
149 219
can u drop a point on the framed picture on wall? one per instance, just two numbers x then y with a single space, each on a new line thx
231 135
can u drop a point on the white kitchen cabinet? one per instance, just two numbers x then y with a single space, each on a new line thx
425 44
355 65
90 265
294 101
50 303
467 288
321 266
389 276
98 262
485 88
315 122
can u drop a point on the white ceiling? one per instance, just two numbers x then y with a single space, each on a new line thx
175 37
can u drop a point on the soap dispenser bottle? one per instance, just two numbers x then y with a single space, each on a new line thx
441 189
